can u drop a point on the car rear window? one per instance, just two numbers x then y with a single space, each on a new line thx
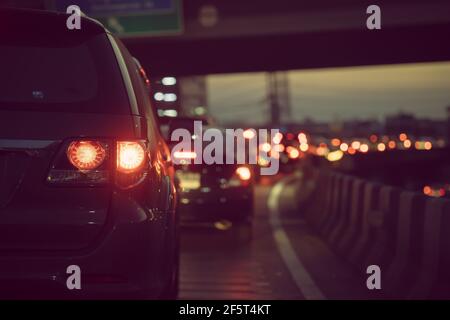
60 72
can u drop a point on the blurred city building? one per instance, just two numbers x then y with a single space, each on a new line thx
408 123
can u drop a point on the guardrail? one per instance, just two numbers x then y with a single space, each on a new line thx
406 234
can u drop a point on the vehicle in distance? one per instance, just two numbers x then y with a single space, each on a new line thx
84 175
219 195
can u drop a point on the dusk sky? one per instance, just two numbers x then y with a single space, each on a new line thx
337 94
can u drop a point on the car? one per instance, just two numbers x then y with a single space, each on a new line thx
219 195
86 182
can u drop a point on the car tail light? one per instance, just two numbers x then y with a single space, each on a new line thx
86 155
292 152
244 173
130 156
81 162
131 163
183 157
240 177
86 162
184 154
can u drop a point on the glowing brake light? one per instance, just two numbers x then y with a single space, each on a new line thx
293 153
304 147
302 138
278 148
402 137
364 148
277 138
249 134
244 173
86 155
356 144
407 144
381 147
335 155
87 162
266 147
185 154
335 142
130 156
392 144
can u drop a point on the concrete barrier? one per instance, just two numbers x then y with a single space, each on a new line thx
403 269
324 200
352 228
364 232
315 211
383 228
441 288
344 211
407 234
333 210
431 253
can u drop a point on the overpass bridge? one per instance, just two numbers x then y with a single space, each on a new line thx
282 35
240 36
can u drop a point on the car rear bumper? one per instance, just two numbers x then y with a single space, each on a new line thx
129 260
233 204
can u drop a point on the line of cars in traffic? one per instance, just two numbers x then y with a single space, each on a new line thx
87 177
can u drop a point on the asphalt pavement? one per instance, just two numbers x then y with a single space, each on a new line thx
285 259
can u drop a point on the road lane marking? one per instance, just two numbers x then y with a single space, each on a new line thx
302 278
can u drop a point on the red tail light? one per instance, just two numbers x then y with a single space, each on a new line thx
244 173
184 155
240 177
81 162
86 155
131 160
130 156
293 153
91 163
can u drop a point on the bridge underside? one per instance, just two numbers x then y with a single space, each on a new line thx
264 35
297 51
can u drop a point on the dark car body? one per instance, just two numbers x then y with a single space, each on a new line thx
210 193
61 91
